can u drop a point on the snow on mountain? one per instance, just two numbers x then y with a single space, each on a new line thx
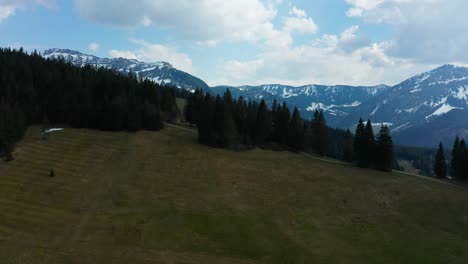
421 101
336 101
159 72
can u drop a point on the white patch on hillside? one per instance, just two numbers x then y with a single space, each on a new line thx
462 93
444 109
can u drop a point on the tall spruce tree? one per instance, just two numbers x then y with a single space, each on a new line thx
383 154
348 146
229 129
263 125
455 164
296 132
440 164
369 145
462 166
319 133
359 144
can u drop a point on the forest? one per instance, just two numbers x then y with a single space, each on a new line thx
34 90
238 124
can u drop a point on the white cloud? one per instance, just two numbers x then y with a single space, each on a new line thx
297 12
149 52
300 24
202 20
8 7
428 31
330 59
6 11
93 46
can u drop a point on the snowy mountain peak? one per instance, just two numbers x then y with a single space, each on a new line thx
160 72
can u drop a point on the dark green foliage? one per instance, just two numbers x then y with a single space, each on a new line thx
348 146
440 164
262 125
296 132
318 135
360 145
421 158
34 90
383 150
457 159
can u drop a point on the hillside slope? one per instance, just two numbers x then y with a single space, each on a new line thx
162 198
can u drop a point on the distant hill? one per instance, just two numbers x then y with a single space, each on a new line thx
160 72
336 101
423 110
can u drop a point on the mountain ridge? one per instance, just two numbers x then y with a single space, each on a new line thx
160 72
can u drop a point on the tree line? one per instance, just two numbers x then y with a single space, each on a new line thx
458 168
33 89
226 122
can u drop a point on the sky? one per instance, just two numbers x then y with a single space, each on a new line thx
253 42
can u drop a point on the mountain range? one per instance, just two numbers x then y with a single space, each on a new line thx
421 111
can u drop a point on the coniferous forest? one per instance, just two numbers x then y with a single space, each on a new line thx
34 90
238 124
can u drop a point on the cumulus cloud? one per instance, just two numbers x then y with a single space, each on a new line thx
428 31
93 46
6 11
330 59
8 7
214 20
299 22
149 52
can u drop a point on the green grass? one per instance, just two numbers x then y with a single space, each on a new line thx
162 198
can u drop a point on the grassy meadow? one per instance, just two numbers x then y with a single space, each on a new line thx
162 198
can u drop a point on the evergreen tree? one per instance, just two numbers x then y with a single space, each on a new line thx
319 133
360 144
296 132
229 129
348 148
369 145
455 168
462 165
440 165
263 125
383 155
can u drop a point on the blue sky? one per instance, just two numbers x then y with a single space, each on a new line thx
358 42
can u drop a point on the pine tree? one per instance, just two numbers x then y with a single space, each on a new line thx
462 166
359 144
263 125
440 165
229 129
348 148
369 145
455 168
383 156
318 133
296 132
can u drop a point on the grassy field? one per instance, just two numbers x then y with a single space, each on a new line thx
162 198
